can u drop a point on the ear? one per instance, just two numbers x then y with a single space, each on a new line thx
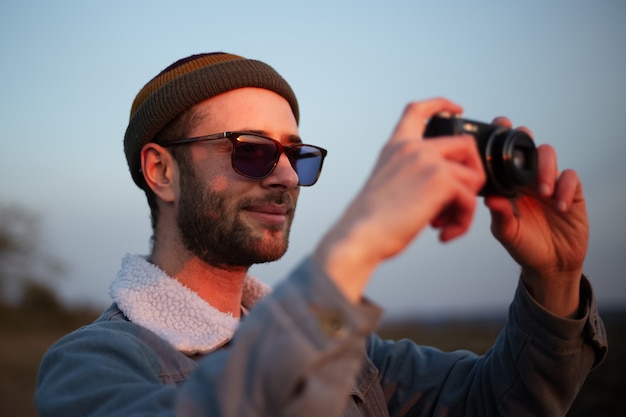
159 171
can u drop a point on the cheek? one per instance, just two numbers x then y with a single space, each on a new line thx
211 161
219 184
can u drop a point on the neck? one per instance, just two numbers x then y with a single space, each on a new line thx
220 287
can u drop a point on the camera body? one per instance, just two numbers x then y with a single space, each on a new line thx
509 156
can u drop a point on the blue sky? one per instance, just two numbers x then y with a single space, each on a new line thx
70 70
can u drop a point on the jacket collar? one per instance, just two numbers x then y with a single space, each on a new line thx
150 298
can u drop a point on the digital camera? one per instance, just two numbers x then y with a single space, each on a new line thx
508 156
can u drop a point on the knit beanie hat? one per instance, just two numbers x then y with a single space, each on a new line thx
187 82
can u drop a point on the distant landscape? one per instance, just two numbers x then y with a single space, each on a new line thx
28 330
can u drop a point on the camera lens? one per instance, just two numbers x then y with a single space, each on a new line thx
519 158
511 161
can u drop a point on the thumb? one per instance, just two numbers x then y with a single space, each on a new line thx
503 217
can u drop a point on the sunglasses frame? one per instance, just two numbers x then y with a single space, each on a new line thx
233 136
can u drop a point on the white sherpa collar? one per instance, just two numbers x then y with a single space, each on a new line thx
160 303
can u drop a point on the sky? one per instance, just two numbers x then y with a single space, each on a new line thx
70 71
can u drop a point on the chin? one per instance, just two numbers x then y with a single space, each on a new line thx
271 246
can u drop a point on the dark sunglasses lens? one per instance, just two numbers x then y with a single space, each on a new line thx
254 156
307 162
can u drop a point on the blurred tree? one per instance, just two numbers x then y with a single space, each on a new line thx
24 264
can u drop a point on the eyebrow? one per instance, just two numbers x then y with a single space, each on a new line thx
288 138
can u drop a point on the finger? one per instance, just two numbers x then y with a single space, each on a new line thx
413 120
502 212
547 170
458 216
526 130
460 150
463 170
506 122
502 121
567 186
468 183
500 206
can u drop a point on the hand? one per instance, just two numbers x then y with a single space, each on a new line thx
415 183
546 231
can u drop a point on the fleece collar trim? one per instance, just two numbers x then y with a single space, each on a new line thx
150 298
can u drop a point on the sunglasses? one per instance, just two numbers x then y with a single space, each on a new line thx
255 156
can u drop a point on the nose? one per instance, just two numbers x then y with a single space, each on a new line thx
283 175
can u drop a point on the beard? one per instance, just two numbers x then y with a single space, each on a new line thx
213 231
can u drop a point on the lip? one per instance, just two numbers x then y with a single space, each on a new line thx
269 213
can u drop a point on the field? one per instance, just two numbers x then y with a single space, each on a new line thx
26 333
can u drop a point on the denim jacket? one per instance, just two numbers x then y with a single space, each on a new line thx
303 350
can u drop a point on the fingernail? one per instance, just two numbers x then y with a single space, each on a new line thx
562 206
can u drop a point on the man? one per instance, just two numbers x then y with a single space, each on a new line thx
213 141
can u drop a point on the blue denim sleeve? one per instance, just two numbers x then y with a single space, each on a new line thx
536 367
296 354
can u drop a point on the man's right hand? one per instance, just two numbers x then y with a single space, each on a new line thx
414 183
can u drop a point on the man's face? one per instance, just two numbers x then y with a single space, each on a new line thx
224 218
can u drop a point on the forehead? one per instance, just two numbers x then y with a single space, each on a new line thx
246 108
